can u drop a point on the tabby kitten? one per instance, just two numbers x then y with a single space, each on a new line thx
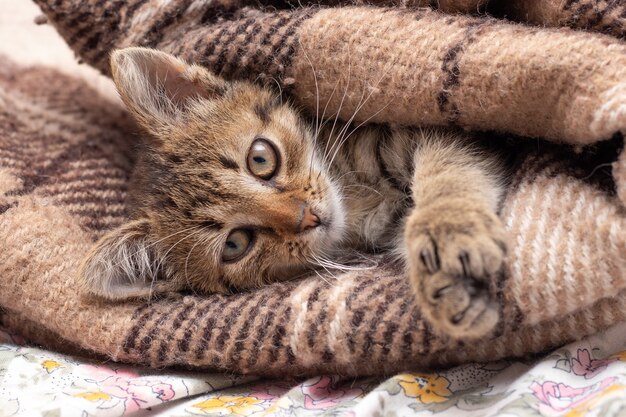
234 189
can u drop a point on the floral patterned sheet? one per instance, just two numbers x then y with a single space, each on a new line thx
587 378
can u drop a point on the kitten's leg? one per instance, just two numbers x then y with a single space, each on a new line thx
455 243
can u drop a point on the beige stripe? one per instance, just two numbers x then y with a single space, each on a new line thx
520 250
299 309
537 271
554 245
337 327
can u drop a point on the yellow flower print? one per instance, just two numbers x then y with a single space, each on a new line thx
620 356
229 404
50 366
427 388
93 396
585 408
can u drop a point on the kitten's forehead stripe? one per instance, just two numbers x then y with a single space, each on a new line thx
262 110
228 163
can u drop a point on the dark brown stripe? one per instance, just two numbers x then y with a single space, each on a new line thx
146 341
291 358
131 338
314 329
275 25
285 58
192 326
77 186
219 64
599 14
374 290
82 21
167 339
314 323
110 20
132 9
277 46
376 320
235 65
156 33
277 342
209 326
242 336
230 321
262 111
388 335
261 333
52 9
451 70
208 52
578 18
278 335
52 168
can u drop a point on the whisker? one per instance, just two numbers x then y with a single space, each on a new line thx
317 108
308 264
187 262
280 89
363 186
332 130
162 258
342 140
348 173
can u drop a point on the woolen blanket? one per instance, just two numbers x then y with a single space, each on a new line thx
66 155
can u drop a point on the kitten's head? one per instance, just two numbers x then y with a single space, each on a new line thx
228 193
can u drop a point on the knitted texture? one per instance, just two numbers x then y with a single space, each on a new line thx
414 66
66 155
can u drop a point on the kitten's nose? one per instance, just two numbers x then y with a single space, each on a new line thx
309 220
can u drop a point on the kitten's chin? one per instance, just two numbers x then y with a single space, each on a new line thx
288 272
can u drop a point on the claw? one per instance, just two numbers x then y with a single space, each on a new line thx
465 263
429 261
440 292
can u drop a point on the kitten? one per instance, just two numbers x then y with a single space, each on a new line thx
233 189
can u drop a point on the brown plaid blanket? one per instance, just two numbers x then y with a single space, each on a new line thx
66 155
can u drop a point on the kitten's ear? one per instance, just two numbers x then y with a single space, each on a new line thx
157 87
123 265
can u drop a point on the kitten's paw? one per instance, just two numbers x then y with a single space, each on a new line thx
454 257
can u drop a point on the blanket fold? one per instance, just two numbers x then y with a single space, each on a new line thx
66 156
407 66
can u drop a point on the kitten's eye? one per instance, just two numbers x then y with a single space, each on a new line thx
236 244
262 159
